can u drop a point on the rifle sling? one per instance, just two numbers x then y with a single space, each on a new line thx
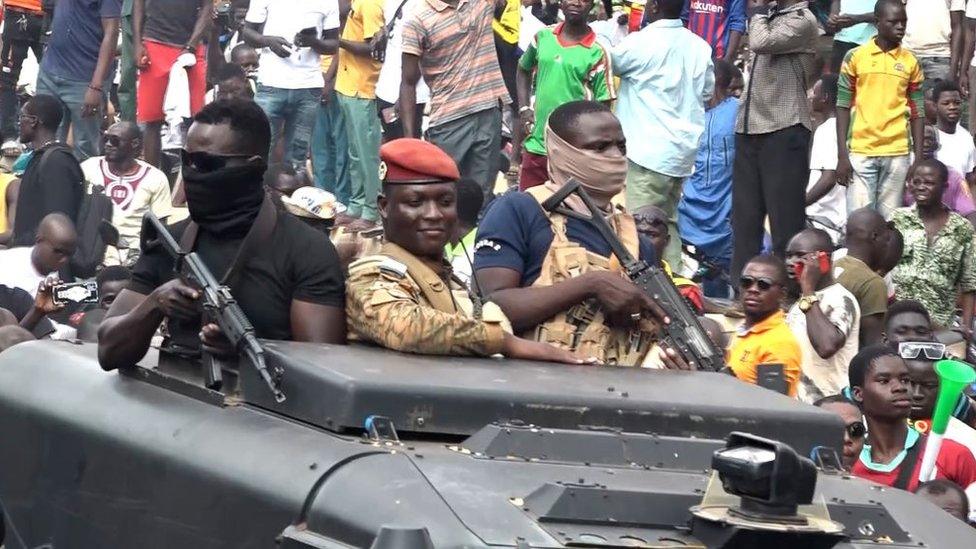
258 236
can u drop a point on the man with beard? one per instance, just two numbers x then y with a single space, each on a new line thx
406 297
880 383
134 186
285 275
554 275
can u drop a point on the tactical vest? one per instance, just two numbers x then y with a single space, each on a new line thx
583 328
394 261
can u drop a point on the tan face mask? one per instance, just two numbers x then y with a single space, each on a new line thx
602 175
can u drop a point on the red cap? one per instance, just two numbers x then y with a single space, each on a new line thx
413 161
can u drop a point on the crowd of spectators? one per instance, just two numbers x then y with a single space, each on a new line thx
804 171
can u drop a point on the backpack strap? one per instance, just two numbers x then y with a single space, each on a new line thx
907 468
435 289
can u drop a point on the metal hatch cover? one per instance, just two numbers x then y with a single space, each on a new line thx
337 387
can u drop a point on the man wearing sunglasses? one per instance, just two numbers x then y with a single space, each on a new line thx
135 187
764 338
284 274
854 429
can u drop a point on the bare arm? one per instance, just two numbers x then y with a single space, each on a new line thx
844 169
359 49
957 40
825 338
202 25
138 18
528 307
13 191
735 42
523 90
128 328
872 327
408 93
828 178
317 323
918 131
106 53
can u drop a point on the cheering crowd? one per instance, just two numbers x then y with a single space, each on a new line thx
382 171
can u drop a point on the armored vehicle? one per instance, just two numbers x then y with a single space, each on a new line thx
372 448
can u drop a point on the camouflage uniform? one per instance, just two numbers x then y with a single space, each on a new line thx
935 273
395 300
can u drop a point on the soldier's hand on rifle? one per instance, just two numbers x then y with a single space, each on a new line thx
517 347
215 342
624 303
673 360
176 299
44 300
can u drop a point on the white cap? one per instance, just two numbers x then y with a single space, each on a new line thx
312 203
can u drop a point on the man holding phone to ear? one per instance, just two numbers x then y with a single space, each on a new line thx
826 318
291 35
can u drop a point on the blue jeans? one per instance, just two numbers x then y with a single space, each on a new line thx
330 150
294 112
71 93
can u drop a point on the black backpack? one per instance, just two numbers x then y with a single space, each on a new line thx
94 211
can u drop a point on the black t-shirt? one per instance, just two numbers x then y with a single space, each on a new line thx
170 21
19 302
58 189
299 263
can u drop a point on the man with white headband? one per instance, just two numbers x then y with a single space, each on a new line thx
553 275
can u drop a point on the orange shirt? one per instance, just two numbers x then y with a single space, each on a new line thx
768 342
29 5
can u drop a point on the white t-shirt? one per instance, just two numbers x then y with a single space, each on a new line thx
132 196
823 156
957 150
18 270
286 18
388 84
930 26
958 431
822 377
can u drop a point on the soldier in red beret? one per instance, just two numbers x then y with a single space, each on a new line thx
405 297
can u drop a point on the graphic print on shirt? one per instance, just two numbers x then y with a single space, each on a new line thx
121 189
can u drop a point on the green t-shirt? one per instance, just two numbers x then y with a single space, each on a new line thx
564 72
867 286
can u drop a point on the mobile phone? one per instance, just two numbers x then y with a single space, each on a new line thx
76 292
389 115
308 31
824 261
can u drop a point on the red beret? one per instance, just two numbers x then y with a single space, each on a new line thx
409 160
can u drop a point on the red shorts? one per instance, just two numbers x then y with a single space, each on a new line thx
533 171
154 79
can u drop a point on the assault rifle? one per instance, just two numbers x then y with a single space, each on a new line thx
219 304
684 333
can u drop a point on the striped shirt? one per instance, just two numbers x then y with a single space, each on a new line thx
714 20
457 57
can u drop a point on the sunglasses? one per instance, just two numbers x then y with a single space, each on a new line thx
112 140
911 350
747 282
205 162
856 429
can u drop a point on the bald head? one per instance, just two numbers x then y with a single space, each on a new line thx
127 129
652 223
13 335
813 240
55 244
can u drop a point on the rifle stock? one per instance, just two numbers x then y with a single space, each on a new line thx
220 304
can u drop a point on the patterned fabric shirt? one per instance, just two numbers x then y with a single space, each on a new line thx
934 273
783 46
886 89
456 47
386 306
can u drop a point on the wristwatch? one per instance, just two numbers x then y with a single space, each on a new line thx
807 302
